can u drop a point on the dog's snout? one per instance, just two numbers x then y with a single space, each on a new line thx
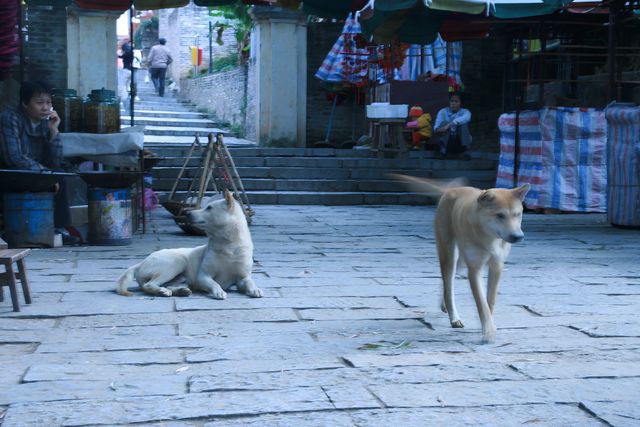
515 237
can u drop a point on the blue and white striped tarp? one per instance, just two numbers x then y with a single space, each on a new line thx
623 129
562 156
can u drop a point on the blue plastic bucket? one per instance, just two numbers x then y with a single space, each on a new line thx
109 216
28 219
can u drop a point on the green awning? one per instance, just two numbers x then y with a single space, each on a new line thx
338 9
507 9
417 25
525 9
158 4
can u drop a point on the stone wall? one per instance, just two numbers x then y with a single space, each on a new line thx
221 94
250 126
179 27
45 53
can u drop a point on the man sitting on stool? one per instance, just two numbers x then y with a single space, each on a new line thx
452 128
29 140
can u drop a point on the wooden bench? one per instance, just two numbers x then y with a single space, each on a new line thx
8 278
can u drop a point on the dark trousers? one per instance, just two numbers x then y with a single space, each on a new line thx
451 143
157 77
61 205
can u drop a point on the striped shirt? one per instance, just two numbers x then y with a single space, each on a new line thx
25 146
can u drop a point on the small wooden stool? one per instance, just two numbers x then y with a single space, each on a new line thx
388 137
7 258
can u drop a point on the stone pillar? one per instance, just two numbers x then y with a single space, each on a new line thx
91 50
279 40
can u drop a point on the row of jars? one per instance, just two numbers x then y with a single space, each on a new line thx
98 113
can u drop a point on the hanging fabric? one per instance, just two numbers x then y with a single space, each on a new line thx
9 36
345 62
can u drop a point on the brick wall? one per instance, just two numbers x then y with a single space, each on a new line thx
222 94
46 48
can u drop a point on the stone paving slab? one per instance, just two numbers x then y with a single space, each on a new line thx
349 332
133 410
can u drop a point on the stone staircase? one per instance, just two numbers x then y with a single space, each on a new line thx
321 176
326 176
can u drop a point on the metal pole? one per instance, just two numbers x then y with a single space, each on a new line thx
22 31
132 83
210 47
613 10
516 147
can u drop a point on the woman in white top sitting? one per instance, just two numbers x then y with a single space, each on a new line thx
452 129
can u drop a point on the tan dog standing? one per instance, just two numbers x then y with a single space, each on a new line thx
480 226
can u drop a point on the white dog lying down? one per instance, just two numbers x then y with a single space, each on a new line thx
479 225
224 261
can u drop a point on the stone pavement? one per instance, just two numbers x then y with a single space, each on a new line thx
349 332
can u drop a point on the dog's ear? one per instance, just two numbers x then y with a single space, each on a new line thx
521 191
229 198
486 198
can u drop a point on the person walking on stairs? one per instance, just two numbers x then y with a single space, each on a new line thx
159 59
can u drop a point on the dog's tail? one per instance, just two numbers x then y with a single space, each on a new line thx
430 187
125 280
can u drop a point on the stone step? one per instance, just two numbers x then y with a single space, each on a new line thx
329 198
336 162
164 178
170 121
178 131
156 143
177 150
160 114
168 105
318 185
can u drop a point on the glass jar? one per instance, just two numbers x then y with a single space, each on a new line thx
68 105
102 112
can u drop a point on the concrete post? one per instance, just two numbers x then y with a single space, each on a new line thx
279 51
91 50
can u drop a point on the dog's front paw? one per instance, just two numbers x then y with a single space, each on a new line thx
254 293
182 292
457 324
218 294
488 336
164 292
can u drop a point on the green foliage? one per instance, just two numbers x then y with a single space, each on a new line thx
146 25
237 129
224 63
235 16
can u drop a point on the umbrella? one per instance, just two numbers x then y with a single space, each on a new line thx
345 62
406 21
332 8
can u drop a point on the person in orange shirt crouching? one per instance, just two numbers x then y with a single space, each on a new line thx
420 122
